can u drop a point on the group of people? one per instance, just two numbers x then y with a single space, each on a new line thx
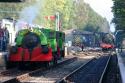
4 38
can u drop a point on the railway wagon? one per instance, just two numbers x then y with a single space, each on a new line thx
36 46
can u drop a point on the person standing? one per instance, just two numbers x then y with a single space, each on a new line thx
7 35
82 46
1 38
5 39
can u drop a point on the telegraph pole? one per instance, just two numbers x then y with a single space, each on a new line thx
57 21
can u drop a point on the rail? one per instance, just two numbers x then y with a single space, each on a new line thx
18 78
100 81
63 80
93 75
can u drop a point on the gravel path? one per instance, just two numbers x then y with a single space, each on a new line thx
56 73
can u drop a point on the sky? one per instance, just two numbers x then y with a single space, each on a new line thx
103 8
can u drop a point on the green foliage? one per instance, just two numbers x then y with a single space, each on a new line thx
119 14
73 14
13 9
95 22
51 7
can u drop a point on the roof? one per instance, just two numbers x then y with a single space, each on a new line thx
81 32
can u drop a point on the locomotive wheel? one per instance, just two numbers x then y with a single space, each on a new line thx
55 58
23 66
55 61
63 53
48 64
10 65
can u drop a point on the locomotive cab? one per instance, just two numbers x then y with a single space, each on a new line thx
60 37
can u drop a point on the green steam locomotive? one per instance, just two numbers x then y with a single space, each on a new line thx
36 46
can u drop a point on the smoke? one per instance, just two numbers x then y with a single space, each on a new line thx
28 14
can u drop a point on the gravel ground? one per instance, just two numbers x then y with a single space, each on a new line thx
89 53
55 74
11 74
2 68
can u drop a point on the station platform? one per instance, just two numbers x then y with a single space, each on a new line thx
121 64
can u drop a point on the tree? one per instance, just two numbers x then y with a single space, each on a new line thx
13 9
51 7
73 14
119 14
87 19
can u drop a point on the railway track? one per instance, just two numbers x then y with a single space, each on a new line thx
91 72
112 73
54 74
3 72
51 75
10 74
15 75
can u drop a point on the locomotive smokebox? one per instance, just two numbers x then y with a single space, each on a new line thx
31 40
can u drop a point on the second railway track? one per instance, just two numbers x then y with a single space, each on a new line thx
112 73
92 72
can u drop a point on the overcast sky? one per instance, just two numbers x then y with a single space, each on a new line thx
103 7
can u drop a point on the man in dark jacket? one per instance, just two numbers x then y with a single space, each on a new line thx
1 38
5 39
7 34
